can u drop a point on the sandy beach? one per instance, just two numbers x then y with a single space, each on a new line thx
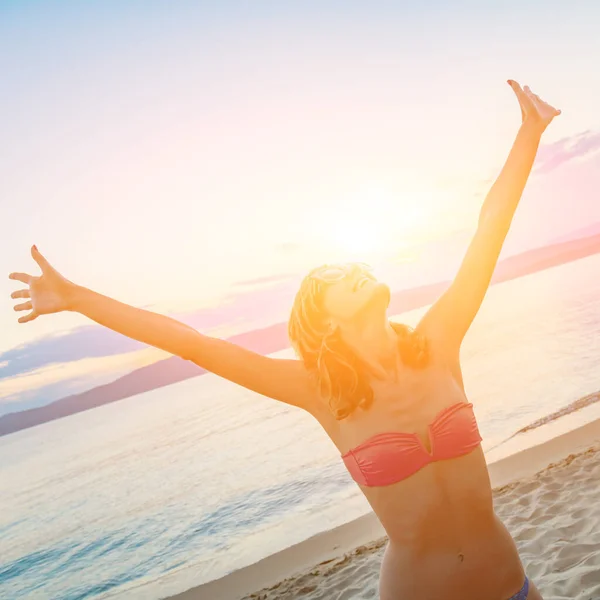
548 495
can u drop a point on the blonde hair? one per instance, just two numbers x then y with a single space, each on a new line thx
340 374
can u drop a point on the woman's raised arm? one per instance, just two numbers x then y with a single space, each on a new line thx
281 379
451 315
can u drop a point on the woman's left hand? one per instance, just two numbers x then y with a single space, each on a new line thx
533 108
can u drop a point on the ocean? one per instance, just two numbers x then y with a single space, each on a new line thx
168 489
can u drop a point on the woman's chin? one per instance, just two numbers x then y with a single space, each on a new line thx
382 295
379 299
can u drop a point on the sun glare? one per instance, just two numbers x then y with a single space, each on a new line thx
357 236
374 222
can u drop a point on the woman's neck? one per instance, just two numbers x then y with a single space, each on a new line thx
376 344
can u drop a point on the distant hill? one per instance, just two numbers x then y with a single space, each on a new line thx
273 338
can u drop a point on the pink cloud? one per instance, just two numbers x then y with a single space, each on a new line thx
553 155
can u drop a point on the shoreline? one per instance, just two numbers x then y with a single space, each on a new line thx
366 534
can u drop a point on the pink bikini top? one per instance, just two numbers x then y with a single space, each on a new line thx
387 458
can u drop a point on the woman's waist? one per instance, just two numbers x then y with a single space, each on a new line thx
439 522
479 552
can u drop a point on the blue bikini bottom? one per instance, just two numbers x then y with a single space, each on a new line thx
522 593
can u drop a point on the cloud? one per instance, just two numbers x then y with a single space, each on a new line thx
554 155
84 342
51 382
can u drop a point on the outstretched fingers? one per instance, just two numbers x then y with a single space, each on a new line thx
21 294
27 280
30 317
40 259
22 277
539 103
26 306
515 86
534 97
525 101
521 95
23 306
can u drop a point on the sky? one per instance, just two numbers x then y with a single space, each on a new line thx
197 158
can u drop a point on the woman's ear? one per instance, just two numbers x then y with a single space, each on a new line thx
333 329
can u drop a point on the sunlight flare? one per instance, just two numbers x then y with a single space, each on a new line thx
374 221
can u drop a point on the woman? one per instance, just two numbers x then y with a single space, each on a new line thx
390 398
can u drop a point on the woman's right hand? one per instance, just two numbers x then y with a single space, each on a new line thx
48 293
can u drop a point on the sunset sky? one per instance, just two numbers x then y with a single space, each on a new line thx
164 152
